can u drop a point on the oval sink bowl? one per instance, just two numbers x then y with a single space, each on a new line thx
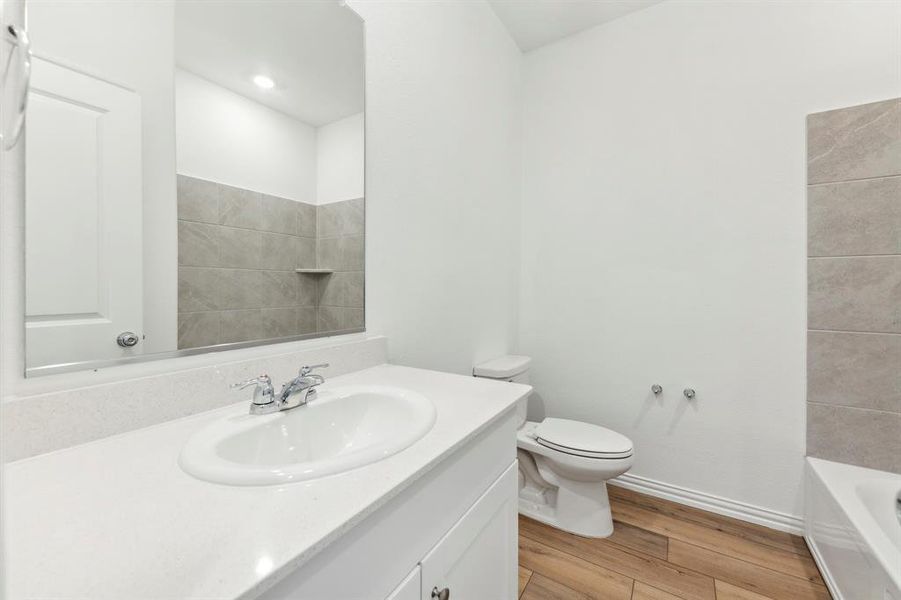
343 428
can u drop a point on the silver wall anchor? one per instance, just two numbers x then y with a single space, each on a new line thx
689 393
657 389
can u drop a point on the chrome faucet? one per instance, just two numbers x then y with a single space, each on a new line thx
304 385
296 392
263 394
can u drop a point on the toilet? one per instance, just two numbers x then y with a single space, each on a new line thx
564 465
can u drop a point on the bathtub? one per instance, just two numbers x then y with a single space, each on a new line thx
853 529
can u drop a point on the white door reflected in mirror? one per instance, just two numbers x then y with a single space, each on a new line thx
83 216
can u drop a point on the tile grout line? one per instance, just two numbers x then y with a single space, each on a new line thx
855 256
841 181
250 229
292 271
853 331
872 410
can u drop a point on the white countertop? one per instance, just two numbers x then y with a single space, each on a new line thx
117 518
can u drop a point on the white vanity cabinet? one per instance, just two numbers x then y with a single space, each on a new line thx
454 528
410 588
477 558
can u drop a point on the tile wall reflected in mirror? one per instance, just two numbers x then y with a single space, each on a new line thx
239 253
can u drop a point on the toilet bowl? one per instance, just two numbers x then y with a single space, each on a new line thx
568 487
564 465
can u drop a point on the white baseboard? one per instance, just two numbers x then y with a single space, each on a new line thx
715 504
824 569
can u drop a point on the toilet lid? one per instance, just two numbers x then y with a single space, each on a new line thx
582 439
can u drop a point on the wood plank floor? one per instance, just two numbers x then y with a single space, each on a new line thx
661 550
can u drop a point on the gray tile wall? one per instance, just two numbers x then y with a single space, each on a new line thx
237 255
340 245
854 285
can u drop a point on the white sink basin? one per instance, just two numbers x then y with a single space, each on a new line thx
344 428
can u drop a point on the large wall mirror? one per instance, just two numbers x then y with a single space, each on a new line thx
194 177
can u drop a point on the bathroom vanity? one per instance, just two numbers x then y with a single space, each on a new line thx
438 515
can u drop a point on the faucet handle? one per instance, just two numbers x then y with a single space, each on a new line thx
262 381
264 393
307 369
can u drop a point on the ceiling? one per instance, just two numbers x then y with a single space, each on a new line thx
534 23
312 49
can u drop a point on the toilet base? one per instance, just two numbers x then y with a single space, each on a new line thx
579 508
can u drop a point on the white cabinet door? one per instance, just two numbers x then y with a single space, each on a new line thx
83 207
409 588
477 558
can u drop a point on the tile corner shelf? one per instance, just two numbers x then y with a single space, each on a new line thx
315 271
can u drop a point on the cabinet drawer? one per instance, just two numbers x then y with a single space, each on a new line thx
477 558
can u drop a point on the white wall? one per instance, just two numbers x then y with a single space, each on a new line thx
664 227
442 181
141 33
225 137
340 160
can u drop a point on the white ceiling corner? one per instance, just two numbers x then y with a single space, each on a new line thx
534 23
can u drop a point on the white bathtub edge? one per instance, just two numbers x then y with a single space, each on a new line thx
855 557
828 578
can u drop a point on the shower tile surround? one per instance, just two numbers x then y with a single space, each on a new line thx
854 285
237 255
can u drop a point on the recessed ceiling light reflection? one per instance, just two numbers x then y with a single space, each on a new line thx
263 82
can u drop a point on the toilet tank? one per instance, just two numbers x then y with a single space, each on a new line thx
508 368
